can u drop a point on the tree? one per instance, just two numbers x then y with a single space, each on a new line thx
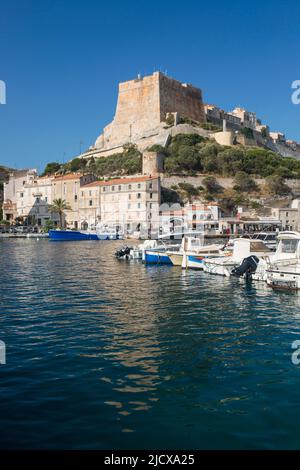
51 168
59 206
244 183
77 164
247 132
211 185
276 186
49 225
227 205
189 190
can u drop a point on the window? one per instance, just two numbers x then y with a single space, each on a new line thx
81 193
151 195
119 187
90 193
75 197
37 200
112 188
139 185
139 205
289 246
104 188
46 199
129 196
150 185
90 202
21 194
129 187
139 195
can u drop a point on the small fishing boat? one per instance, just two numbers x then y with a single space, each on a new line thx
159 255
193 252
242 248
135 252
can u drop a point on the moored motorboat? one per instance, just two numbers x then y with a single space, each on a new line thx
106 232
72 235
242 248
192 253
283 270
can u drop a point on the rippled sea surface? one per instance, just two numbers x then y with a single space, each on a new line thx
111 354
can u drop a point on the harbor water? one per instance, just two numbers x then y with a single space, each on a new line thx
108 354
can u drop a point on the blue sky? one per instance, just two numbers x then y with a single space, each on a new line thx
62 61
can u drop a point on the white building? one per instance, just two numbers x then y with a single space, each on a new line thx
33 201
132 203
15 184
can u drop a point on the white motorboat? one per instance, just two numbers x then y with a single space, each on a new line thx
242 248
287 252
283 270
269 239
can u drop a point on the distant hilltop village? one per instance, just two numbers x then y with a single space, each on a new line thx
154 108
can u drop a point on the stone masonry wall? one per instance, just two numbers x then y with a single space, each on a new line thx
142 106
179 97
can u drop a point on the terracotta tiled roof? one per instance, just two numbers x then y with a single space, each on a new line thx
70 176
138 179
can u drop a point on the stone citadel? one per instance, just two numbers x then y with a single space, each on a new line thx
153 108
142 109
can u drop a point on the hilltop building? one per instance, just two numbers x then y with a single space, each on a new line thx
143 108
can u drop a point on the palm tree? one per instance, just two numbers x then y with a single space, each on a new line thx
59 206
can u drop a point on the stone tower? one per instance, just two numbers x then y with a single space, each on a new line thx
153 163
142 106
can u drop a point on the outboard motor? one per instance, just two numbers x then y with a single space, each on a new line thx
124 252
247 267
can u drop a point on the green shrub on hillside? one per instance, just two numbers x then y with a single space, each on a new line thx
188 153
129 162
51 168
244 183
277 186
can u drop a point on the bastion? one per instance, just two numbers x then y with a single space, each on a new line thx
142 109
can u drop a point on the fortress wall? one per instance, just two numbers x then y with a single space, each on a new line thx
143 104
178 97
137 112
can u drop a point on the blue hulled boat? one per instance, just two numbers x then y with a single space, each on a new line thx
156 257
65 235
102 233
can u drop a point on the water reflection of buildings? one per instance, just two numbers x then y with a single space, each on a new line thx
132 347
